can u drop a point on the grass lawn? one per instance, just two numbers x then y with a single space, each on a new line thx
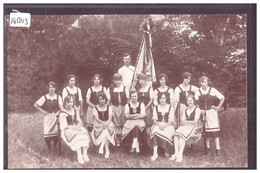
27 149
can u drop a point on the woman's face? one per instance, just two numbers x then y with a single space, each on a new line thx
204 83
96 81
187 80
102 101
141 81
134 97
190 101
72 81
70 103
163 99
51 89
117 82
163 81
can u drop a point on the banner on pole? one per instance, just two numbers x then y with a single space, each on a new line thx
145 63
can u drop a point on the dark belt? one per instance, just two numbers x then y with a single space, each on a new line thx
206 109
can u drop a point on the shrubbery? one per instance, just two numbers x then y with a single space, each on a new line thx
55 46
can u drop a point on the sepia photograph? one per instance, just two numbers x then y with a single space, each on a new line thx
129 86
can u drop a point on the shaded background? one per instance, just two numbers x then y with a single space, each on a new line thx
57 45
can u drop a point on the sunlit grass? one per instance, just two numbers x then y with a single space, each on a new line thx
27 149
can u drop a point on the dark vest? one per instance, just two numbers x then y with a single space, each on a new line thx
161 117
103 115
144 97
93 96
192 115
51 106
115 100
136 110
167 95
206 100
71 119
76 96
183 98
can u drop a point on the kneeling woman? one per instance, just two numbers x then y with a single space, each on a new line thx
103 130
72 131
134 125
163 130
189 130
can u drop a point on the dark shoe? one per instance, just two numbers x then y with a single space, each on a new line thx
207 151
192 147
218 152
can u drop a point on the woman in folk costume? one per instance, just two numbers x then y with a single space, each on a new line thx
72 131
163 88
180 96
163 130
50 105
189 129
92 99
134 125
118 96
206 97
71 89
103 131
145 95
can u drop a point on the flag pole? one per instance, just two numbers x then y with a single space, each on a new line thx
145 63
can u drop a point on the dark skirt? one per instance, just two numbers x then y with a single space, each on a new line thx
212 134
134 133
168 147
52 138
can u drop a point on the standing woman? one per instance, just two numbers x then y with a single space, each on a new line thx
71 89
163 88
103 131
134 125
145 95
72 131
50 105
189 129
118 95
205 96
180 96
163 130
92 99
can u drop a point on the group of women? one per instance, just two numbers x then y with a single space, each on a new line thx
163 117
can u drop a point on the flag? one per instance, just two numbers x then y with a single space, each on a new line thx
145 63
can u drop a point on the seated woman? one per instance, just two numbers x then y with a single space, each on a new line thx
163 130
189 130
104 129
134 125
50 105
72 131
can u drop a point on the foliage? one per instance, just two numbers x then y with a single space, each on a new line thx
55 46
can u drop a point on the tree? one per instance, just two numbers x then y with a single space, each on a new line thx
55 46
